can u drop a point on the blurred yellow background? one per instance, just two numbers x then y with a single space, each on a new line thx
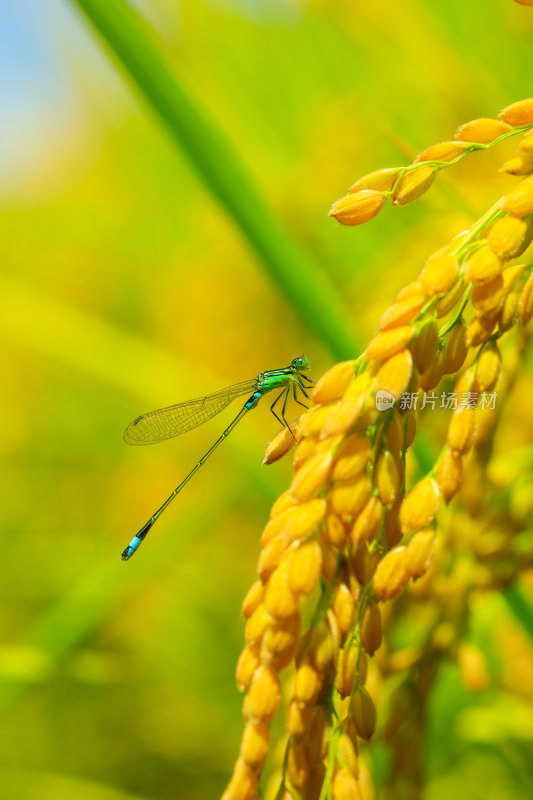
126 286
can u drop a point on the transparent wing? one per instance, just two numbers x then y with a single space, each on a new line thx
164 423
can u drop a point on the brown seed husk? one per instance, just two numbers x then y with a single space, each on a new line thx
425 344
456 348
363 712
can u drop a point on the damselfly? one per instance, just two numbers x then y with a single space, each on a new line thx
165 423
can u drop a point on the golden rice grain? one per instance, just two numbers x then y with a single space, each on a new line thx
256 624
462 429
270 556
395 433
508 313
512 274
303 451
298 718
419 553
519 200
334 382
391 575
280 445
247 664
243 783
482 131
526 143
402 311
370 631
311 476
254 744
280 640
488 296
253 598
488 367
349 497
284 501
343 606
264 695
381 180
307 683
482 265
311 423
433 375
363 563
358 207
450 300
336 531
330 559
345 414
456 348
352 458
387 478
395 373
345 786
280 599
348 754
304 519
525 304
387 343
345 669
414 184
420 506
519 165
363 712
425 344
519 113
413 289
304 565
298 766
367 523
450 474
276 524
480 328
443 151
439 273
506 236
323 644
392 529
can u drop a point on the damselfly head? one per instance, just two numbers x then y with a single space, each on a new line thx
299 364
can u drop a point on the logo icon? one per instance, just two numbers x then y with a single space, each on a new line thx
384 400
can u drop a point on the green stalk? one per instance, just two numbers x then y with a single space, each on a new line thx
303 283
520 606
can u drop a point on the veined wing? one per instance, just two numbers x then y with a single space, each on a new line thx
164 423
